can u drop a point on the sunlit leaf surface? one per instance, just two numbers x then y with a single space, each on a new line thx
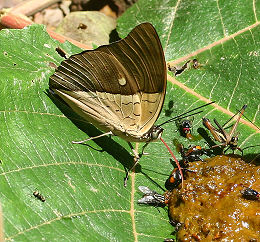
83 184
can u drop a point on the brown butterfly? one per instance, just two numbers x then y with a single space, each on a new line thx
119 88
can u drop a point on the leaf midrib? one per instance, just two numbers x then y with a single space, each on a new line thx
210 46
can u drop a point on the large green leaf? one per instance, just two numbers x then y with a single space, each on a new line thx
83 184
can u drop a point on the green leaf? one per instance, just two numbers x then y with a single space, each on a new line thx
83 184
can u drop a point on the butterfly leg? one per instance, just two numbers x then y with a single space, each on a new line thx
127 173
96 137
136 160
62 53
134 152
142 153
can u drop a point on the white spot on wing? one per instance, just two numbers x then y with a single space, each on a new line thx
122 81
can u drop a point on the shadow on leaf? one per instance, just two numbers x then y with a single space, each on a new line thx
107 144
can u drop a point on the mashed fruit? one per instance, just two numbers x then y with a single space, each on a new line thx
211 206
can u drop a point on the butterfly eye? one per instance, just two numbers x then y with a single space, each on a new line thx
156 133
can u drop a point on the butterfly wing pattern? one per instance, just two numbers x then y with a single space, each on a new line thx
118 87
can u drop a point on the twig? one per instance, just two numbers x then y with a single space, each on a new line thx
31 7
16 22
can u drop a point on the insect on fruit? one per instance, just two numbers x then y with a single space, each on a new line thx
250 194
227 139
174 180
192 154
39 196
151 197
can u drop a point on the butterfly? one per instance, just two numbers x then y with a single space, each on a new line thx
120 87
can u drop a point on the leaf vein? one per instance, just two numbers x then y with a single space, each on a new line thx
60 164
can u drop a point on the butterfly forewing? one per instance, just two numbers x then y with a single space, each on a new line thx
142 54
118 87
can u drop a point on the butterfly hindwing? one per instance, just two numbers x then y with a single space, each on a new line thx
118 87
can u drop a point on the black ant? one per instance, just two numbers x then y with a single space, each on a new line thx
39 196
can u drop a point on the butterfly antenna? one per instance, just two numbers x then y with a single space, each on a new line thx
183 114
179 117
176 161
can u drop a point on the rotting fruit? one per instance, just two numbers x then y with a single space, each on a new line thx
211 205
